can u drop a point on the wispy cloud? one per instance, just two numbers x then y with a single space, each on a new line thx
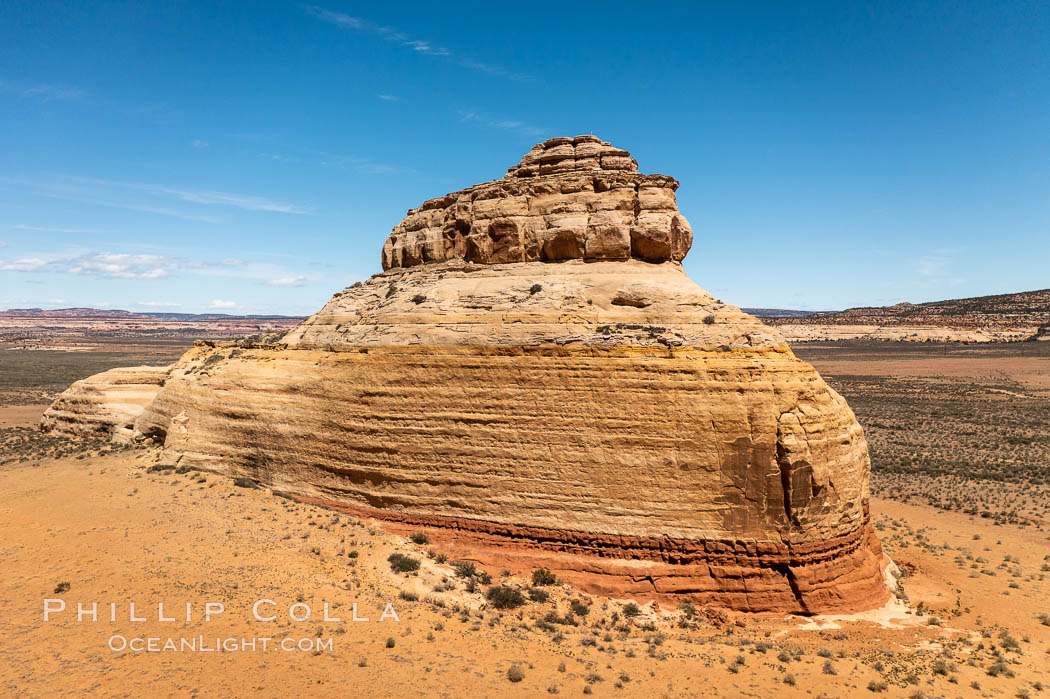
159 304
122 266
219 303
43 92
50 229
240 201
115 194
3 244
422 46
149 266
199 143
390 98
935 266
23 264
326 159
507 124
287 281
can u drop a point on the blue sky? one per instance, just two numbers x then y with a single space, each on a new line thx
252 157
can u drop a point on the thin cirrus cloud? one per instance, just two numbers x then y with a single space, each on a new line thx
219 303
147 266
53 229
421 46
122 266
23 264
154 199
506 124
287 281
240 201
159 304
43 92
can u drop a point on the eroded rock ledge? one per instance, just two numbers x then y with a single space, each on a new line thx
568 199
106 404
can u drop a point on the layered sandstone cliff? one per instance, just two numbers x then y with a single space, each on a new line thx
603 417
106 404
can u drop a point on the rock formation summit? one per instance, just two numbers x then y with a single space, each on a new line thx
534 381
568 199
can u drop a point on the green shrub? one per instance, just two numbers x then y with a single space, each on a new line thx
538 595
400 563
503 597
542 576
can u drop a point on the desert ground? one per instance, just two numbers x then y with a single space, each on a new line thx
961 464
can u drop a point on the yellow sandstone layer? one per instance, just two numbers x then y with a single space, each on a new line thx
106 404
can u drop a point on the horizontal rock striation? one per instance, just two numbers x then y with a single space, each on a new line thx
604 418
106 404
618 425
568 199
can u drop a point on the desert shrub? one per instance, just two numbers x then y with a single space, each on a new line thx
390 642
874 686
400 563
538 595
503 597
515 674
789 679
631 610
465 569
535 289
542 576
419 538
418 299
829 668
709 319
579 608
997 668
61 587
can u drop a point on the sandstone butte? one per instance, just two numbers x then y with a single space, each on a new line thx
534 381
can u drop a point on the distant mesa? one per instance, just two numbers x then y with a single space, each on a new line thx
103 313
535 382
997 318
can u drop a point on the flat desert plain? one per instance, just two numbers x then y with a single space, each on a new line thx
961 453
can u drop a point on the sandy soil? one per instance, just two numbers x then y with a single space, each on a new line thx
117 533
972 619
21 415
